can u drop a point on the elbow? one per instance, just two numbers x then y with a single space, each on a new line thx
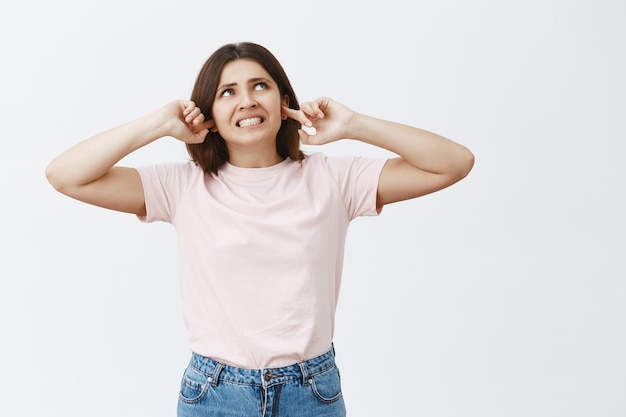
52 173
465 163
468 162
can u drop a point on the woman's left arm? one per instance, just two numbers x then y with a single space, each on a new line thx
426 162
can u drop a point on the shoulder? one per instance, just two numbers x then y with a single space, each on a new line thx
316 158
342 165
319 159
182 167
177 173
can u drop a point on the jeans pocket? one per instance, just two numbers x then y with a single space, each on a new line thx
193 386
327 385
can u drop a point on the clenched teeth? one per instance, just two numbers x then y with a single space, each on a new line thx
250 122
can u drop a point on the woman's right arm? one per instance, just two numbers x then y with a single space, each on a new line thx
87 171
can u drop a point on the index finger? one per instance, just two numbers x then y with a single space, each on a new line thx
297 115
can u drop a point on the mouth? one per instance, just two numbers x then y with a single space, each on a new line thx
252 121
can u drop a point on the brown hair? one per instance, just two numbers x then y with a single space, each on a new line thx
213 153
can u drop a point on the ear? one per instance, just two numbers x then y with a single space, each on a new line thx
285 102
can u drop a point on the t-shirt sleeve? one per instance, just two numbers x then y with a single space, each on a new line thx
357 178
163 186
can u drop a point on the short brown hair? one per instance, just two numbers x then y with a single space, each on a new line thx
213 153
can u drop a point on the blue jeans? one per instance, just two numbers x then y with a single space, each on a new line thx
308 389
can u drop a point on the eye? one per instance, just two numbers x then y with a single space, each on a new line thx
260 86
227 92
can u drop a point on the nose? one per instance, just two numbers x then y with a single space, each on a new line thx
247 100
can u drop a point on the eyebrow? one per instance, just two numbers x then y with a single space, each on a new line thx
250 81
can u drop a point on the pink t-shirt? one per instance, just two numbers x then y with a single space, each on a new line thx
261 251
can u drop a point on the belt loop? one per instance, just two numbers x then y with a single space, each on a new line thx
215 378
305 373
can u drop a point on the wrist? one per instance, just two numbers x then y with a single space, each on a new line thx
157 124
358 128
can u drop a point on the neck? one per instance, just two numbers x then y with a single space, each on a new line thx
253 158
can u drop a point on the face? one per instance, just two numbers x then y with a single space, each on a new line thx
247 106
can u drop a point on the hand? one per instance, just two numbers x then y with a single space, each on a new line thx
188 124
330 119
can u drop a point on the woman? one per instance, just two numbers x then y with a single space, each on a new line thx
261 226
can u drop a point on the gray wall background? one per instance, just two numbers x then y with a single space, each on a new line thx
500 296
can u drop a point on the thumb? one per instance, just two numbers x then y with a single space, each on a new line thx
304 136
208 125
198 137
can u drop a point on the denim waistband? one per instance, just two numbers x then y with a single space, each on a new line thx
217 372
